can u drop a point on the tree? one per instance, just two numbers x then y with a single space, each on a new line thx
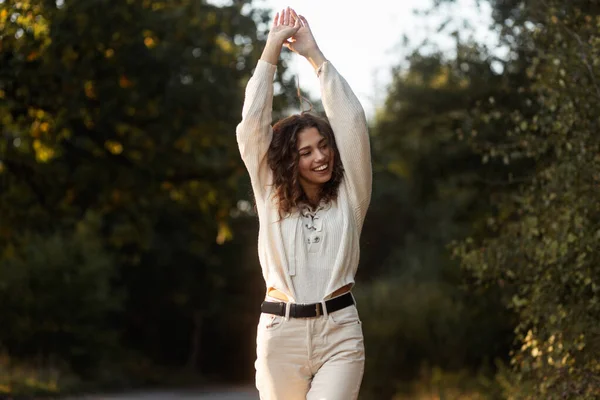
430 188
127 111
540 244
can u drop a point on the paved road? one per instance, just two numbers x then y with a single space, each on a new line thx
229 394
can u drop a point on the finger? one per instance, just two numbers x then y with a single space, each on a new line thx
296 18
304 21
293 17
286 19
281 16
275 20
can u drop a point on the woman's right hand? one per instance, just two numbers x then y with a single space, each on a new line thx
284 27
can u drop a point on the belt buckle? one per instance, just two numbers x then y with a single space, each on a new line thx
318 309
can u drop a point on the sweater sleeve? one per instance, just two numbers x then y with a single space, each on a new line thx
349 124
254 132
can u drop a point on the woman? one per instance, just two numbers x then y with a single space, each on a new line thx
312 184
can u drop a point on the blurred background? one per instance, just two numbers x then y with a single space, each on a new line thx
127 234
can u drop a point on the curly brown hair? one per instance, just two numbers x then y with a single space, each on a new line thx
282 158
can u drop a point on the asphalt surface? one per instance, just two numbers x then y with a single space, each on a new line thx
214 394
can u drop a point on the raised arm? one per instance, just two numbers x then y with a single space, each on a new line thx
346 116
349 124
254 132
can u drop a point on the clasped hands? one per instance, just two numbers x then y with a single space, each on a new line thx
292 30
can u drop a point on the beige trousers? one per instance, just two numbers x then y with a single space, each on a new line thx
318 358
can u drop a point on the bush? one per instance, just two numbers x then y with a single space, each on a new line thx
56 298
540 246
413 329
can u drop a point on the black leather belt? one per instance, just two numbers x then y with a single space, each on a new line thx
308 310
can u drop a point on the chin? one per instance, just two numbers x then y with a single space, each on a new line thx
324 179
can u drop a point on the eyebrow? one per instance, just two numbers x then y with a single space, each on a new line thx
308 147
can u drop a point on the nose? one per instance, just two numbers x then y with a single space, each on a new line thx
320 155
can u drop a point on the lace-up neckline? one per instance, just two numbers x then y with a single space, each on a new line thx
311 218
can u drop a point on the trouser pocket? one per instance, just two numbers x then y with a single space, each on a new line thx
345 316
270 322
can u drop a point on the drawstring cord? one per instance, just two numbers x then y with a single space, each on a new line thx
301 98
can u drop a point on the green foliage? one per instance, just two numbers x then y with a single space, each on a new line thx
521 181
125 111
119 172
540 245
56 298
28 380
140 99
415 327
461 385
430 188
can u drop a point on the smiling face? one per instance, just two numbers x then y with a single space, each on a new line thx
305 162
315 159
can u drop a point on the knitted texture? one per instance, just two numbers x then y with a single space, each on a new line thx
308 255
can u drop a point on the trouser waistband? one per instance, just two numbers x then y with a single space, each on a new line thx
297 310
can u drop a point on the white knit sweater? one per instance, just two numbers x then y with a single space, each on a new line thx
307 255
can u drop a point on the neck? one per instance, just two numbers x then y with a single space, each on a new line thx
312 193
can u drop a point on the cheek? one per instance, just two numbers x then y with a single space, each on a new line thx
304 165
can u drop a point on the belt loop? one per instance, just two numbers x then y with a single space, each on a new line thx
353 298
324 309
287 310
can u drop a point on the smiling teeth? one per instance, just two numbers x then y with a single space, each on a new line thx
321 168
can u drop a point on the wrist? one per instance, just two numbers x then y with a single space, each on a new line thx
274 40
271 51
313 52
315 57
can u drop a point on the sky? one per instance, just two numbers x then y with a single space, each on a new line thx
364 39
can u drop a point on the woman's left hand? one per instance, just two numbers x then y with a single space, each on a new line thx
302 42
